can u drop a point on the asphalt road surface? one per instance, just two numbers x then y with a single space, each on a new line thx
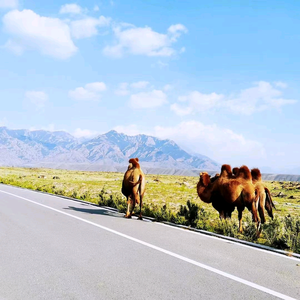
55 248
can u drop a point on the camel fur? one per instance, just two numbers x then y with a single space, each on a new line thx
133 187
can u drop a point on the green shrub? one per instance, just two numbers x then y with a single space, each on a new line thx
190 213
226 227
86 196
250 230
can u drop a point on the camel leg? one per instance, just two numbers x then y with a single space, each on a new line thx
222 215
240 216
130 207
256 218
261 209
141 204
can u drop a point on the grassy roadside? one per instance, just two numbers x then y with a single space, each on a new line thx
169 198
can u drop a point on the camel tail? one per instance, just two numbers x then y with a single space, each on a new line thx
269 204
138 182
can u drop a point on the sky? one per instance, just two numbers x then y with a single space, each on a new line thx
220 78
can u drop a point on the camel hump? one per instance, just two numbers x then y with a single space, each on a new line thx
256 175
245 173
235 171
134 162
226 170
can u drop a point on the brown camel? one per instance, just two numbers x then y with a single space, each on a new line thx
214 197
133 187
232 192
265 199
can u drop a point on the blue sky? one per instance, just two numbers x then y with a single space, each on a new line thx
220 78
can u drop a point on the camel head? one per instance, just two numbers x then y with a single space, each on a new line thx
204 180
256 175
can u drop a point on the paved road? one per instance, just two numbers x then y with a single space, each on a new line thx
54 248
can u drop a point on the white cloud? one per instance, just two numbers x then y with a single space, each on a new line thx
81 93
181 111
220 144
160 65
84 133
3 122
261 97
151 99
96 86
96 8
9 3
88 27
31 31
37 98
139 84
167 87
123 89
176 31
70 9
197 102
128 130
281 84
144 41
50 127
90 91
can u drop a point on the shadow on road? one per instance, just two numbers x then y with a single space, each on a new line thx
95 211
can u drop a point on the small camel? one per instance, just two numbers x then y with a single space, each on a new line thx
133 187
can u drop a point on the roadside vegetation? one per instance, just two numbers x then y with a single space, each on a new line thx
172 199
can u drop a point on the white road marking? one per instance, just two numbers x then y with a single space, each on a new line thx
232 242
220 239
193 262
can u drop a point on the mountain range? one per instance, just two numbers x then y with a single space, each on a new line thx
107 152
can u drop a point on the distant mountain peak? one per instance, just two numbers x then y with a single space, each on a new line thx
112 148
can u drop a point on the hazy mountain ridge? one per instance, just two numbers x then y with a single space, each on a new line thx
24 147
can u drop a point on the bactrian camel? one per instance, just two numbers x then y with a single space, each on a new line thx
228 191
133 187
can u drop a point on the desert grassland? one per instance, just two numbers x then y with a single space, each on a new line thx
165 197
170 190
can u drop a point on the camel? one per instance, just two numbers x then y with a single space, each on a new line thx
133 187
228 192
215 198
265 199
